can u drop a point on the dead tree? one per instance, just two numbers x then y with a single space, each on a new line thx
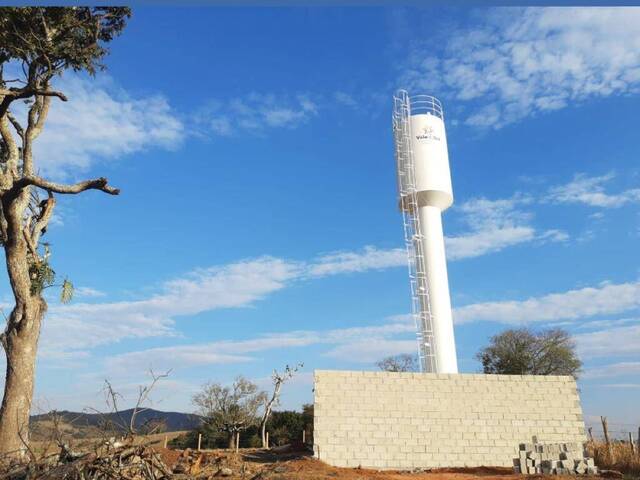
42 43
129 428
278 380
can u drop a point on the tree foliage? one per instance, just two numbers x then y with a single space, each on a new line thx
399 363
52 39
525 352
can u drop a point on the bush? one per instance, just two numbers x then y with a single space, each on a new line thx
211 438
284 427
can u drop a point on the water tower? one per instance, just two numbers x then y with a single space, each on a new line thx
424 187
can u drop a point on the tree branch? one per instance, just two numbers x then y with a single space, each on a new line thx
40 226
95 184
11 94
28 91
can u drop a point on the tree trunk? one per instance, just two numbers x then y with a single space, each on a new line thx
263 429
20 342
267 412
232 440
21 349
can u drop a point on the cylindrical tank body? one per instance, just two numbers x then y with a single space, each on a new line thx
431 161
434 195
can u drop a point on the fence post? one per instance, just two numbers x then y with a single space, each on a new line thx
267 439
633 447
606 437
304 435
199 441
237 441
590 430
166 440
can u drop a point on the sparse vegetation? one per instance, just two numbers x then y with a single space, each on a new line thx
230 409
399 363
622 458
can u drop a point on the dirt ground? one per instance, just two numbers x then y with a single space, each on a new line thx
257 464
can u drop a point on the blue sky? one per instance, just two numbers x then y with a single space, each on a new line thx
257 224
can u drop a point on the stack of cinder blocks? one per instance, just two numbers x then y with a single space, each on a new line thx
554 458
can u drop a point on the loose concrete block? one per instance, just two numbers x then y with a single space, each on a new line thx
567 464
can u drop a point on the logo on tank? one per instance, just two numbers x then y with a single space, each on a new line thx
428 133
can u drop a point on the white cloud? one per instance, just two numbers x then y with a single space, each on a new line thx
521 62
102 122
614 370
613 342
357 344
590 191
370 258
255 114
492 225
80 292
345 99
75 327
585 302
370 350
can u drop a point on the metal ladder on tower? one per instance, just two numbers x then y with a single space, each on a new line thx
420 306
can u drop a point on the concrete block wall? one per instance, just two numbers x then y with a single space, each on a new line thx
389 420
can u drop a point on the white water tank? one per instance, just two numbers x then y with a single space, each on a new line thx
430 155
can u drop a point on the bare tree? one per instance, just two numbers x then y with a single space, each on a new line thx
524 352
278 380
112 397
230 409
42 43
399 363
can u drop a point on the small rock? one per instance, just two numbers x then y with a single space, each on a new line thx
280 469
225 472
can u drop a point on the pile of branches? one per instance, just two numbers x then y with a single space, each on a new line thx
138 462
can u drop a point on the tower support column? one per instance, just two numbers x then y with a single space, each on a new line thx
438 285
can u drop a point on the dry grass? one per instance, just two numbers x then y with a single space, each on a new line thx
622 459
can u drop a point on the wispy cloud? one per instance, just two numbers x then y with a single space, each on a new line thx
370 258
614 370
87 292
613 342
255 113
522 62
587 190
356 344
580 303
492 226
102 122
77 327
495 225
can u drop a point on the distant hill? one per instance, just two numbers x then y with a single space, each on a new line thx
84 425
